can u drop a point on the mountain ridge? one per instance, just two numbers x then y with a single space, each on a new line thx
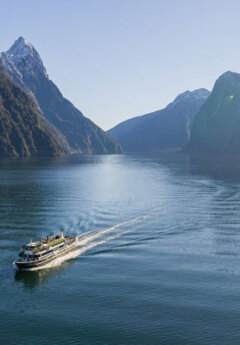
166 128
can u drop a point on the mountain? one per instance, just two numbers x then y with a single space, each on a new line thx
168 128
22 133
216 127
127 126
75 132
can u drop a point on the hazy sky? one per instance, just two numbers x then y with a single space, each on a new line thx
115 59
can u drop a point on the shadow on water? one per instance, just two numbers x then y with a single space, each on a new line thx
223 167
32 279
50 162
216 166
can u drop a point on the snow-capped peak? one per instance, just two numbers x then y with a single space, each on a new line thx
25 58
198 94
21 47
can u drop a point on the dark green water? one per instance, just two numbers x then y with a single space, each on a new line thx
159 259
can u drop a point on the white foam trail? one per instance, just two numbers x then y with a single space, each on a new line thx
87 241
92 235
77 252
103 241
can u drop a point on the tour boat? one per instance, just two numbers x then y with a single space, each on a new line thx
38 254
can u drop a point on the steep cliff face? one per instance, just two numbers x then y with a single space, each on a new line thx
74 131
22 133
169 128
216 128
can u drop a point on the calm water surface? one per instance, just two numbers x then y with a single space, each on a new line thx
159 261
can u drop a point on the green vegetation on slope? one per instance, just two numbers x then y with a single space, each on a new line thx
216 127
21 132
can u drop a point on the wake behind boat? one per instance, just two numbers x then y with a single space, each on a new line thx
38 254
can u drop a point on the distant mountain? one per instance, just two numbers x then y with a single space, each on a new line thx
168 128
216 128
21 132
75 132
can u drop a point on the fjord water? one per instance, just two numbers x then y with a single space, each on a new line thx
158 261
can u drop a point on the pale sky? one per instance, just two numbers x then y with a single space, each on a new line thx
115 59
